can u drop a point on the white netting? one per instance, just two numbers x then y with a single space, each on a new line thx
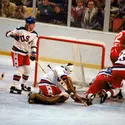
86 57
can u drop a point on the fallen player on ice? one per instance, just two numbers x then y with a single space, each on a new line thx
50 87
103 87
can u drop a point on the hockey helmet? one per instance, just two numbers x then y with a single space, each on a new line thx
30 20
69 68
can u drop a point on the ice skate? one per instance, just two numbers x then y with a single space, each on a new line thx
14 90
89 101
103 98
120 95
25 88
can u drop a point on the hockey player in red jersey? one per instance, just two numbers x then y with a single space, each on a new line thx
118 74
102 85
25 44
119 45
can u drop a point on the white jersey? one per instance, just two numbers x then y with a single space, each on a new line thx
52 78
121 58
27 40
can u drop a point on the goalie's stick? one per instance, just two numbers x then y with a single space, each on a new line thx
72 93
1 76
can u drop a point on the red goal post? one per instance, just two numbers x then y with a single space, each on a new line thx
65 40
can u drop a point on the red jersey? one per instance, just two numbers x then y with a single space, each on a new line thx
119 45
103 78
120 39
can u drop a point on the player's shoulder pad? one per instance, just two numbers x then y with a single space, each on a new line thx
21 28
35 33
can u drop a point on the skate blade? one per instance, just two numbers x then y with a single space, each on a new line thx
14 92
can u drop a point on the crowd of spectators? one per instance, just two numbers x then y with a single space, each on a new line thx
89 14
86 14
117 15
14 10
52 11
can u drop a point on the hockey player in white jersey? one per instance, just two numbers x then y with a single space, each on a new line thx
25 44
50 91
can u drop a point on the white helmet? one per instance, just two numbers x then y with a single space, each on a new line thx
69 68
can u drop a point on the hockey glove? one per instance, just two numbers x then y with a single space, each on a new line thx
9 34
68 91
33 56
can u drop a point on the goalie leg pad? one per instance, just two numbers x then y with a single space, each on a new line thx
31 97
41 99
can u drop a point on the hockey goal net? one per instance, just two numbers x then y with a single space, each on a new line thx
88 57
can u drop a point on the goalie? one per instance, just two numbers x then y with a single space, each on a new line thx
50 91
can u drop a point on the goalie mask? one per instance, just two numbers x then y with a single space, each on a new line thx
69 68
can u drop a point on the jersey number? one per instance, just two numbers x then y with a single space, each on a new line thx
117 38
122 56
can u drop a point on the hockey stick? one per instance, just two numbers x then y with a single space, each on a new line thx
40 66
72 93
2 75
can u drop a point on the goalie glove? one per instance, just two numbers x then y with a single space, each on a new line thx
69 91
33 56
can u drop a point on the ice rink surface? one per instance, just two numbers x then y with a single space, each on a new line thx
15 110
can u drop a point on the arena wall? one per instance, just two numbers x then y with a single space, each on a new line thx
54 30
